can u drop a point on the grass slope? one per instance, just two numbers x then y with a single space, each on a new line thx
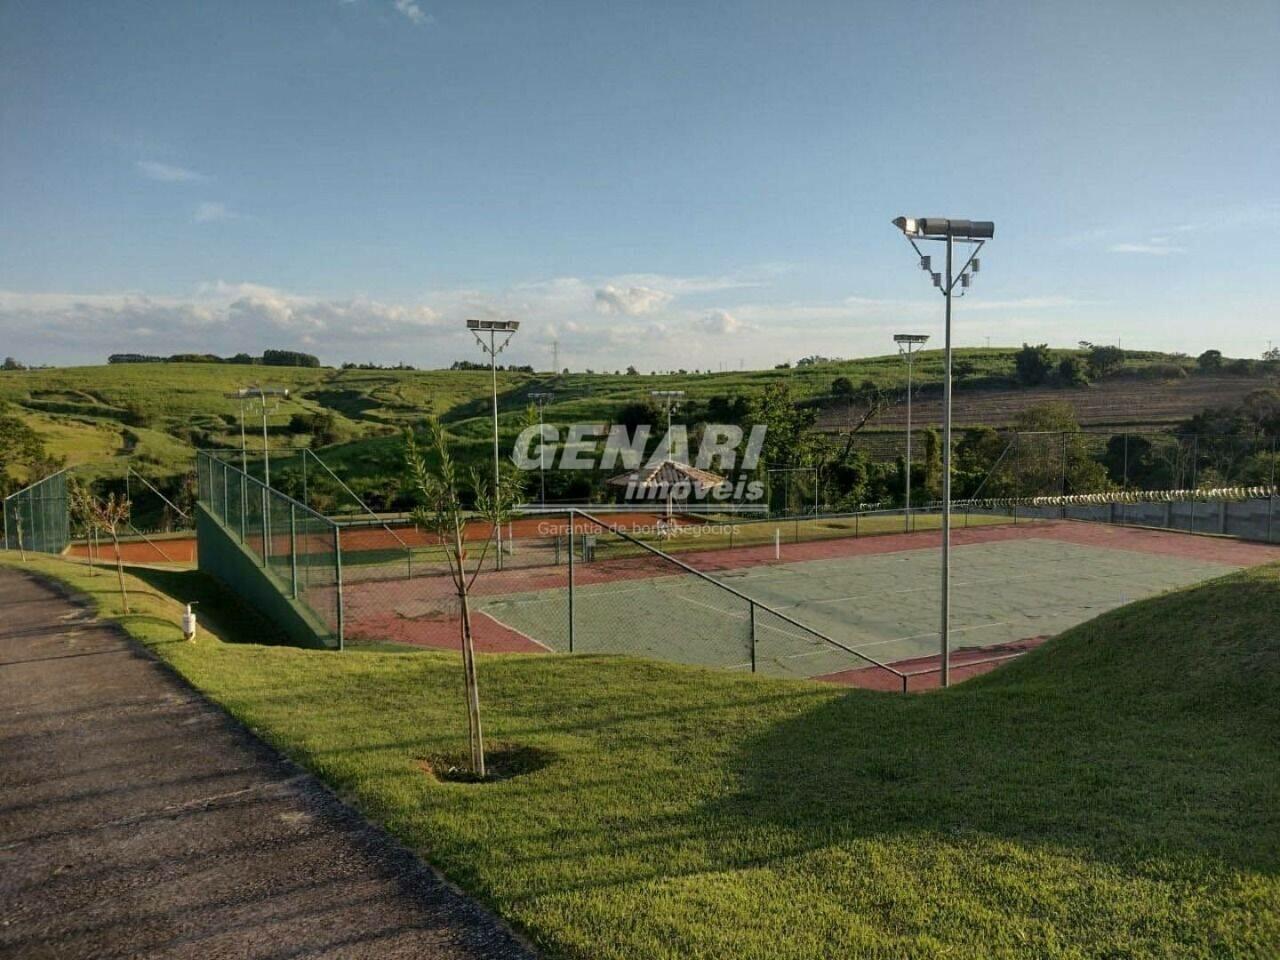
179 400
1114 793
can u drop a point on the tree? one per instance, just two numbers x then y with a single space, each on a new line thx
842 387
1210 360
1033 364
289 358
1104 359
1071 372
12 364
439 510
22 448
108 514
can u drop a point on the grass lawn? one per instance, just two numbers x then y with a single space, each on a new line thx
1115 793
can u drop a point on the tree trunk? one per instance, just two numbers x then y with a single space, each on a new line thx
90 543
473 686
124 594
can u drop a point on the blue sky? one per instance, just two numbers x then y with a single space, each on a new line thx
666 184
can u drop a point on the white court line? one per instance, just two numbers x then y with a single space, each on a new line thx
519 633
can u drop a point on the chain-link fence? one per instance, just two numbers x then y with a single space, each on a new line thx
37 518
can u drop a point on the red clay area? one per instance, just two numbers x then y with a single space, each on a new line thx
489 635
526 528
177 550
924 673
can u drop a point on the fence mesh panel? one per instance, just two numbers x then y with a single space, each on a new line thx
296 547
38 517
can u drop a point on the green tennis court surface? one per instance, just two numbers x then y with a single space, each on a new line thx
884 605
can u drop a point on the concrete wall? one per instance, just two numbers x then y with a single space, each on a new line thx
220 554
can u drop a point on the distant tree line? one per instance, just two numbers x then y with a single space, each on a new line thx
269 358
350 365
473 365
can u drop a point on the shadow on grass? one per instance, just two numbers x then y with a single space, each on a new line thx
224 613
1147 732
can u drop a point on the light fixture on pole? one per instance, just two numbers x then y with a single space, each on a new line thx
669 398
261 394
542 399
493 348
907 344
975 233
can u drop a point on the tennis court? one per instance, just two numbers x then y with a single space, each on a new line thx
1008 586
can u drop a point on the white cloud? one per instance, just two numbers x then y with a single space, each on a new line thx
168 173
1155 247
631 301
412 11
219 318
719 323
212 212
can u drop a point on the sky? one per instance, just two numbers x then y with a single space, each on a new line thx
699 185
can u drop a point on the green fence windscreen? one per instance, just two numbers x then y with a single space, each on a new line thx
38 517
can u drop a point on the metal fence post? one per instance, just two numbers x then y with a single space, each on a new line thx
752 607
337 568
571 581
266 527
293 548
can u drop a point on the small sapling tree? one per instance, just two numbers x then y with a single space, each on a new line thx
108 514
439 509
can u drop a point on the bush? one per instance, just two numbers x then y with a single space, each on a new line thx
1162 371
1033 364
1071 372
1104 359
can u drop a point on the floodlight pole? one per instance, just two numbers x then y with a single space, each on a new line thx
945 629
906 344
541 399
976 233
493 350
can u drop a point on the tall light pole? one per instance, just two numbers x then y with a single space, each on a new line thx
907 342
975 233
670 398
541 399
493 348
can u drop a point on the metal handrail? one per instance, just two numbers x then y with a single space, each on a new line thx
272 490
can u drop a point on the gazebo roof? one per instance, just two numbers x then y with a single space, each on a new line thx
667 474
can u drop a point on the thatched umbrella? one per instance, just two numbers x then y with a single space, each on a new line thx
665 476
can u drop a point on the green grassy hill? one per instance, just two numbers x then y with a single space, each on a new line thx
155 415
1115 793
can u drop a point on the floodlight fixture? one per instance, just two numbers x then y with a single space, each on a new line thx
926 263
910 337
938 228
976 233
494 326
